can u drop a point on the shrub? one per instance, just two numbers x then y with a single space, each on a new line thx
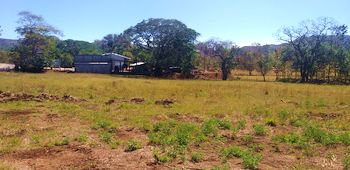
259 129
132 146
224 124
247 139
106 137
283 116
196 157
210 128
82 138
221 167
105 125
299 141
65 141
184 133
320 136
345 138
160 158
163 133
346 162
250 161
233 151
241 124
271 122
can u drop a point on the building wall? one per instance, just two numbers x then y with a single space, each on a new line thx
104 64
93 68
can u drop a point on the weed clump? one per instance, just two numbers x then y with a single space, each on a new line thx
346 162
196 157
63 142
250 161
320 136
180 135
211 127
133 145
159 158
259 129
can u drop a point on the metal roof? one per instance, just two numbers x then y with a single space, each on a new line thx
117 55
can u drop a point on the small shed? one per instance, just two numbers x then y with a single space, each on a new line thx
105 64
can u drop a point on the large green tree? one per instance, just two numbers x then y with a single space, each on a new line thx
34 50
164 43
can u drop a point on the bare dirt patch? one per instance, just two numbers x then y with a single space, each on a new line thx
165 102
9 97
185 117
324 116
137 100
16 112
65 157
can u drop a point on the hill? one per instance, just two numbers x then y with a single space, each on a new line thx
6 44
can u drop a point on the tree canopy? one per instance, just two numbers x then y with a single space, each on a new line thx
164 43
35 48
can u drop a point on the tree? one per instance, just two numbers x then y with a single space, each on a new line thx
66 60
278 64
307 43
248 61
225 52
264 64
164 43
34 50
113 43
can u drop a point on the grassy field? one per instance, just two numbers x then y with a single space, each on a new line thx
88 121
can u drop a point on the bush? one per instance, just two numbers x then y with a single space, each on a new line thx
241 124
247 139
196 157
271 122
346 162
222 167
106 137
233 151
160 158
259 129
320 136
299 141
212 126
249 160
65 141
132 146
184 133
283 116
345 138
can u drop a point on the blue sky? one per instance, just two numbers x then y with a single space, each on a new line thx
241 21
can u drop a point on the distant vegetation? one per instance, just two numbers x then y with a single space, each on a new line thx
314 51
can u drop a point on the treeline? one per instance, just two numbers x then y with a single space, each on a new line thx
314 51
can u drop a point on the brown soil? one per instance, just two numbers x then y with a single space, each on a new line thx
165 102
133 100
9 97
324 116
185 118
137 100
